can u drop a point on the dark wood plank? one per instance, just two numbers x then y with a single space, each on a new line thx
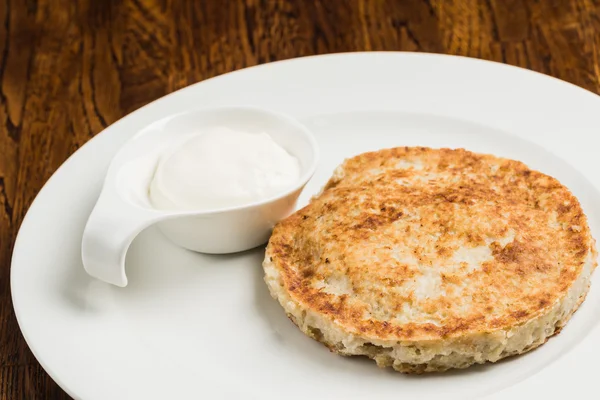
70 68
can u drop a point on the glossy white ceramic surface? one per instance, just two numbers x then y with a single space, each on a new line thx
193 325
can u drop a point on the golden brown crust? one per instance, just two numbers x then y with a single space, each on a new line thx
420 368
415 244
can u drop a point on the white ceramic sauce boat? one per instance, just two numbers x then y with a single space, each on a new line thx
123 208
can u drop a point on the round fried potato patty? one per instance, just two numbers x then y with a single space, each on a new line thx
429 259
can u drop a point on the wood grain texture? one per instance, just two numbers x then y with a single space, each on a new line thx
69 68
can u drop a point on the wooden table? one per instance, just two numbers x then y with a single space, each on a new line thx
70 68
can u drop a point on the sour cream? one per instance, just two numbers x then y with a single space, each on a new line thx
222 167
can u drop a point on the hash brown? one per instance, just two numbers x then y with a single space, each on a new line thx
429 259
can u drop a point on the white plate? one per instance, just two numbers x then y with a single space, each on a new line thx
198 326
